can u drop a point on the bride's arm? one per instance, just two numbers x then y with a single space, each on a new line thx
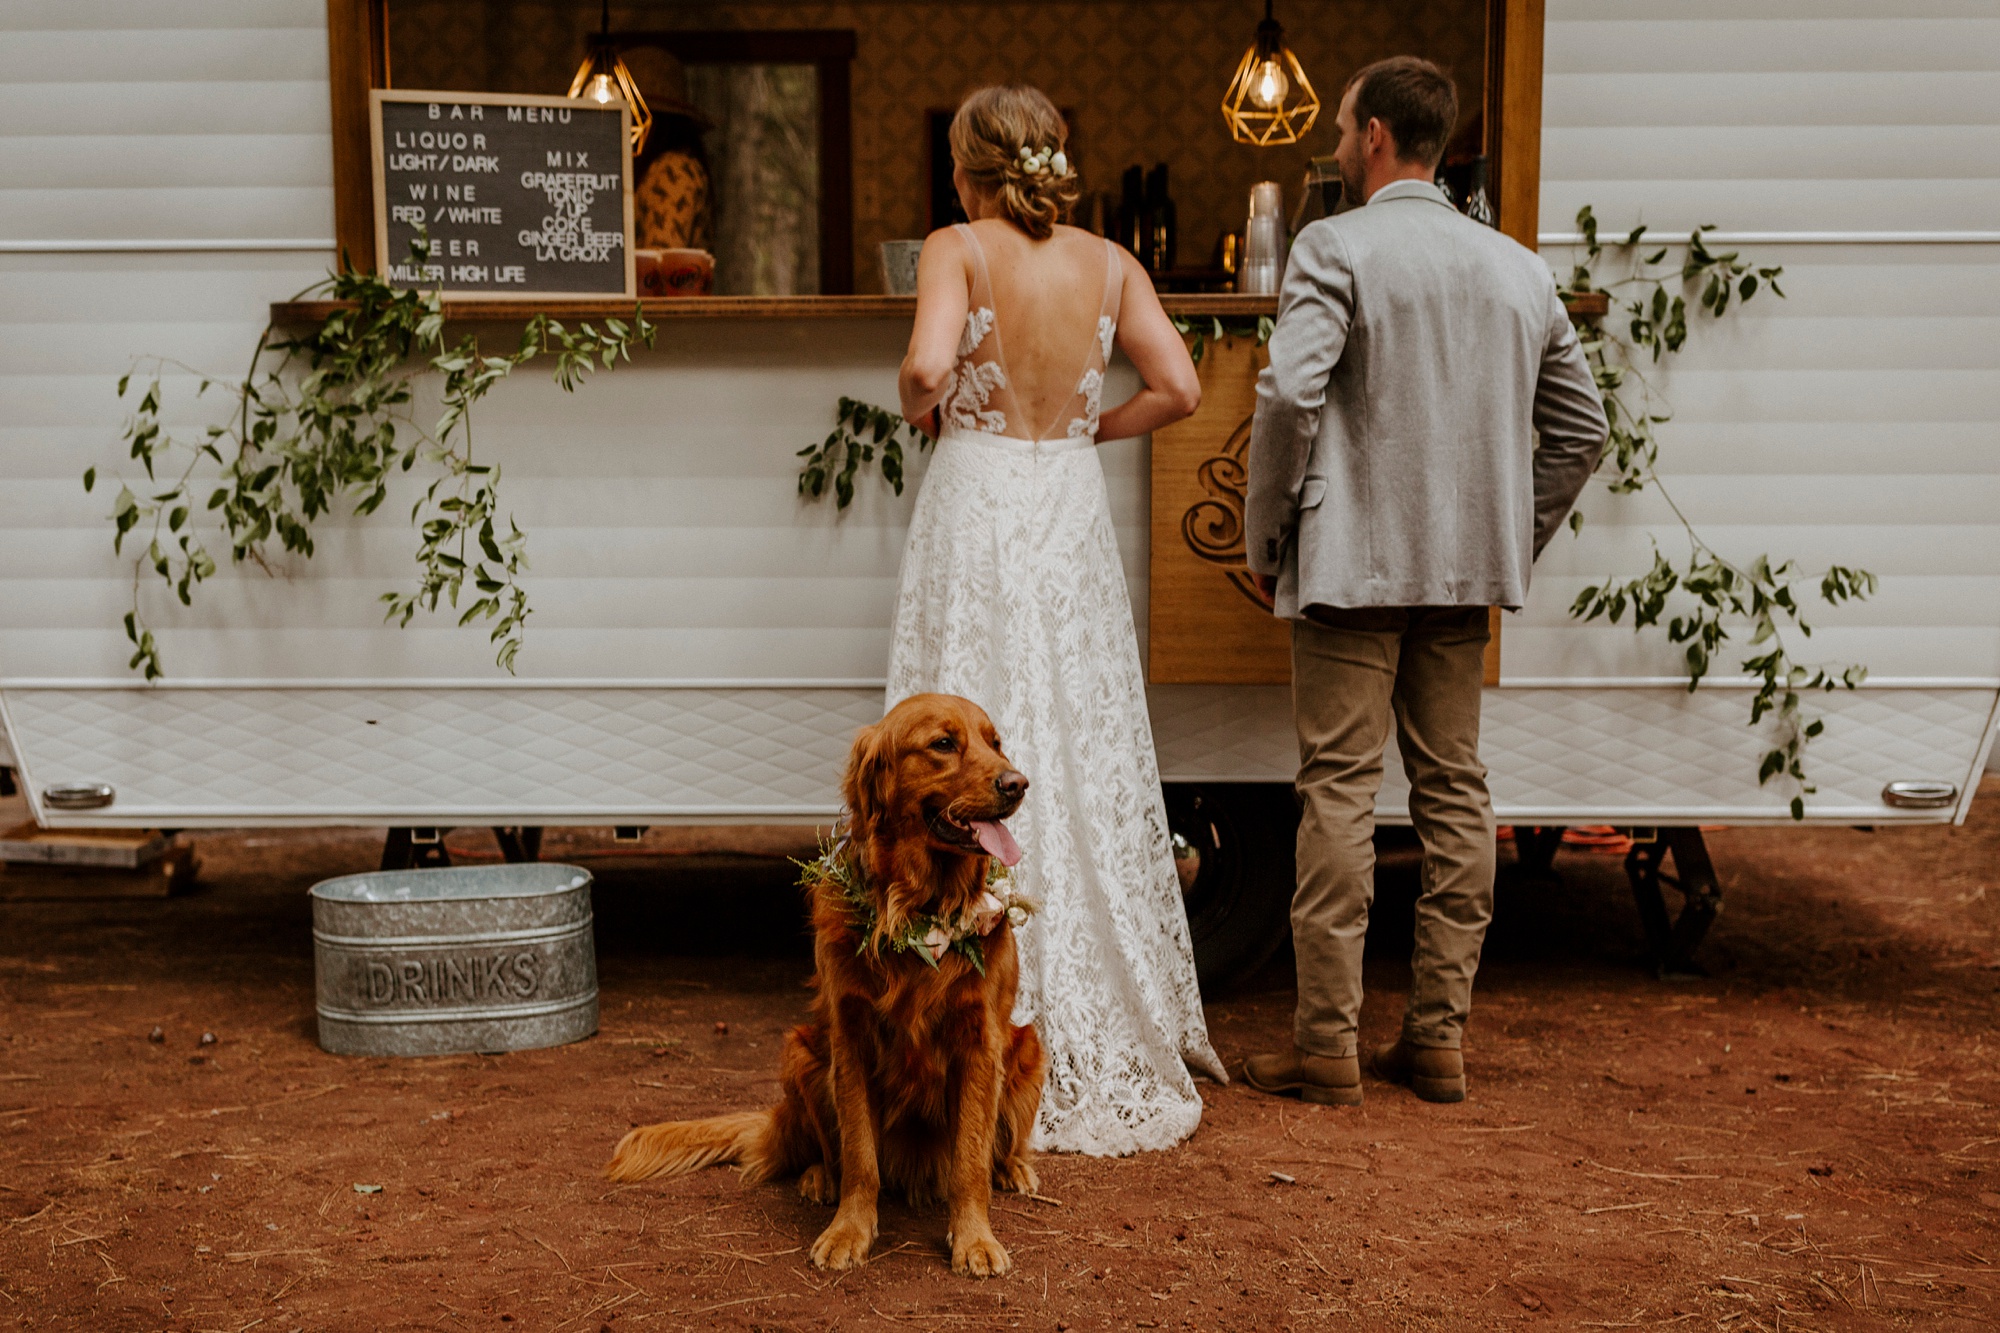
943 301
1155 348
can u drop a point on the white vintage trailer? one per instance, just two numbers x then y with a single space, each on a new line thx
704 643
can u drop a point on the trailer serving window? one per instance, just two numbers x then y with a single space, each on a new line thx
817 139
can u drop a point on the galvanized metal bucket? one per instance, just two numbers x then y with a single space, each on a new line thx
442 962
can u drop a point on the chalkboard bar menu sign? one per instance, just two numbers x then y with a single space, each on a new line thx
519 195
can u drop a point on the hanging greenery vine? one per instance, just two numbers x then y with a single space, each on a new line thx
1202 332
1719 595
326 418
860 431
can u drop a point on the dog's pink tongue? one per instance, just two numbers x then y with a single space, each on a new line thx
997 841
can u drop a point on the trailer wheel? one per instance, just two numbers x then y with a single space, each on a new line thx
1234 850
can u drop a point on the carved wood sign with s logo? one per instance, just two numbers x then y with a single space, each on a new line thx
1206 624
1213 527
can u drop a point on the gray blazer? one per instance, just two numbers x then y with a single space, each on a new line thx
1394 460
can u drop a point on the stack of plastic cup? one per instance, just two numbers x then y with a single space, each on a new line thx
1264 241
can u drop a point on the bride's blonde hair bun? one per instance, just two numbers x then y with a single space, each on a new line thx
993 127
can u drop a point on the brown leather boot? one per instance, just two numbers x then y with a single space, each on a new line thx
1320 1079
1432 1072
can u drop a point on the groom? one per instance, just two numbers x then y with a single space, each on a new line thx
1397 490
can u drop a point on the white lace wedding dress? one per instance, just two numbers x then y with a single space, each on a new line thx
1013 595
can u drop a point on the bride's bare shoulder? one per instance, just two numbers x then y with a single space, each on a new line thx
944 241
944 252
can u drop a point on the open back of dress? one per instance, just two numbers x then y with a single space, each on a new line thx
982 393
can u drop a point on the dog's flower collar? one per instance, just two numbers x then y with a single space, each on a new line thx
982 918
930 937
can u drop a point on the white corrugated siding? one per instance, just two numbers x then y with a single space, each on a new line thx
200 122
1856 422
200 119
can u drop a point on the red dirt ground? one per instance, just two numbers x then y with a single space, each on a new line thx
1806 1141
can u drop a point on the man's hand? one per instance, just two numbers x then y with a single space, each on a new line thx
1267 587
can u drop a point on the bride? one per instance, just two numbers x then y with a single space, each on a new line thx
1013 595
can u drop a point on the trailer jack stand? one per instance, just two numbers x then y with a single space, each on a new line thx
1535 849
414 849
519 843
1672 941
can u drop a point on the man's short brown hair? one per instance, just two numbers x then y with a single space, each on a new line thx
1414 100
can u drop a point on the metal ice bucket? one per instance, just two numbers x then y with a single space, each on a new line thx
441 962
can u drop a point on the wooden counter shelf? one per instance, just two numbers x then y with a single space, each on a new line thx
1224 305
1588 305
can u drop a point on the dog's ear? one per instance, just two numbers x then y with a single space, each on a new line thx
870 792
867 787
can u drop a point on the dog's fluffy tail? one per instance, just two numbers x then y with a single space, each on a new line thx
679 1146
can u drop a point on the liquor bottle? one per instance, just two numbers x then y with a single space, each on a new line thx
1162 228
1132 230
1320 195
1097 214
1478 205
1228 256
1466 183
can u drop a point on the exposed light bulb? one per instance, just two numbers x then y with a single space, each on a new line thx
1270 85
603 79
1270 100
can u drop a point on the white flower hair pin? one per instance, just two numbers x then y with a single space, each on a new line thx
1039 161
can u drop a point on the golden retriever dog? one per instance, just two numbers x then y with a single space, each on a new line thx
911 1073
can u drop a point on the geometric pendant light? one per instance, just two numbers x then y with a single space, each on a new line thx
1270 101
603 78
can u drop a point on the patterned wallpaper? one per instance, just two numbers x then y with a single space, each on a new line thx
1144 80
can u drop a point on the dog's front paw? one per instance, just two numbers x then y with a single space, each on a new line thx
1016 1174
980 1256
842 1245
816 1185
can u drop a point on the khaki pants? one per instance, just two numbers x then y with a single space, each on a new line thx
1352 670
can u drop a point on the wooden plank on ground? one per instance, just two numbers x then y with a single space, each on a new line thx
170 874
